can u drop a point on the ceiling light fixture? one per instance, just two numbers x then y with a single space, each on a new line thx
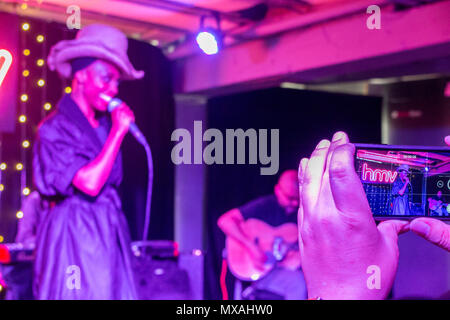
210 39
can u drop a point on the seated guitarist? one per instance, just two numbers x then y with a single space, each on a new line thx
275 210
437 205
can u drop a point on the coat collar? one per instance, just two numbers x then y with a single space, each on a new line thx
70 109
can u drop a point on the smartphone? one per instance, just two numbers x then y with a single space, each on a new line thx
405 182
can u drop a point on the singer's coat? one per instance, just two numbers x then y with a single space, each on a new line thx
90 233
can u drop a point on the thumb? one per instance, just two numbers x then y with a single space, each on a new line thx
391 229
433 230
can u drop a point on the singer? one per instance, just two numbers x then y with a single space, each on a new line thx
83 247
401 192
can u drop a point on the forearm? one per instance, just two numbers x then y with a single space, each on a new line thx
231 226
402 190
92 177
236 232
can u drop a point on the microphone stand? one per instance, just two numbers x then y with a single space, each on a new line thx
149 191
134 130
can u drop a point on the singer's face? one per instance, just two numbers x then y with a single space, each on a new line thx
403 174
101 77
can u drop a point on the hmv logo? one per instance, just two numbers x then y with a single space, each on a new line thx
378 175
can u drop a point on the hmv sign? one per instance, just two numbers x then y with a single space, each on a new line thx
371 175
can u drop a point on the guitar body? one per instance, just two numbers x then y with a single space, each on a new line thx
241 262
435 204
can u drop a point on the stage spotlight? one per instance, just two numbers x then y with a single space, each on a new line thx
209 39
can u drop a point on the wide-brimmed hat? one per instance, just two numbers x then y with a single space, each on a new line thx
403 167
96 41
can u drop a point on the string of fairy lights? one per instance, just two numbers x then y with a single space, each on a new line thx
30 62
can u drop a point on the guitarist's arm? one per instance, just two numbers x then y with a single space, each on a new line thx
231 224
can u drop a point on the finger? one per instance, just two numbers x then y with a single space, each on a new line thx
346 187
301 173
312 178
391 229
433 230
447 140
339 138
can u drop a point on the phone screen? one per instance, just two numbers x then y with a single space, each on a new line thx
405 182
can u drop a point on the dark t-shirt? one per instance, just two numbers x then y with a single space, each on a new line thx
436 198
267 209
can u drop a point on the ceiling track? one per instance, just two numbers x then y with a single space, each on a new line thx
179 7
89 15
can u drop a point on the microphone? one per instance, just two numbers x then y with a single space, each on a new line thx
113 103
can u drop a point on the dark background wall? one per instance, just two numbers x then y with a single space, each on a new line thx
303 118
426 97
423 270
152 102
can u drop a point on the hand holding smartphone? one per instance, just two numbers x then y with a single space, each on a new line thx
405 182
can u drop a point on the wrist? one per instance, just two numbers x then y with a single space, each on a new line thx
346 292
118 131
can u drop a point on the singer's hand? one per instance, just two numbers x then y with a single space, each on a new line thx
122 116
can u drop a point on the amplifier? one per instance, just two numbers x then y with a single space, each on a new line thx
16 252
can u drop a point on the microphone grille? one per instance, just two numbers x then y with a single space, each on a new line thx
114 103
105 97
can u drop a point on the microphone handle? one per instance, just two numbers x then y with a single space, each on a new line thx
133 128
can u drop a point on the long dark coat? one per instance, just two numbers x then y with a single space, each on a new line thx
83 245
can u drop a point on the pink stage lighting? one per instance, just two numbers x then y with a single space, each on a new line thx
5 63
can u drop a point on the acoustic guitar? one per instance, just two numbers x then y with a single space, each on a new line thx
280 245
438 205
